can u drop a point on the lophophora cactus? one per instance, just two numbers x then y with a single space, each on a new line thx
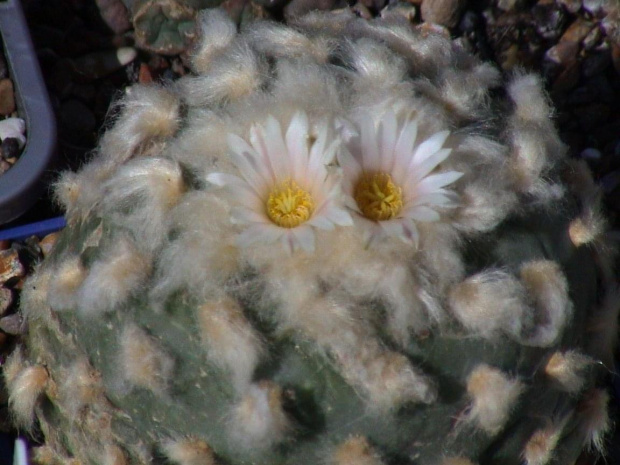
340 241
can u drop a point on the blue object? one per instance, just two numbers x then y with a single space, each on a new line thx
20 455
40 228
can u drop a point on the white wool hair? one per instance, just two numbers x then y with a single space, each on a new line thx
199 259
24 392
230 340
140 195
542 443
63 288
306 85
279 41
13 365
489 303
80 193
593 417
493 395
231 76
546 285
35 293
80 386
589 226
113 455
602 328
529 159
143 362
566 369
440 256
188 451
148 115
456 461
355 451
203 144
465 94
532 104
258 420
113 278
217 31
386 379
375 64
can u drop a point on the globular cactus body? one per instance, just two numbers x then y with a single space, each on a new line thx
337 243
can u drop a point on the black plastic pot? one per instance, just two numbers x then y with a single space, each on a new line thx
21 185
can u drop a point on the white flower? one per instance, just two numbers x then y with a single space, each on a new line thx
387 180
285 189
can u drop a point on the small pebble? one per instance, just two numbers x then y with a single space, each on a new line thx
9 148
13 128
572 6
7 97
6 300
577 31
10 266
48 242
593 38
443 12
115 15
594 7
14 324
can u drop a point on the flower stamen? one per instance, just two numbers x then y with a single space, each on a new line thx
289 205
377 197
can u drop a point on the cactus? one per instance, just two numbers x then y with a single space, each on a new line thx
338 241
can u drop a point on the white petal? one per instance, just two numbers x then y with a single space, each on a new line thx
278 154
350 167
304 237
410 232
321 222
238 188
297 143
417 172
436 181
370 151
430 146
387 140
266 233
241 215
404 151
339 216
423 213
249 164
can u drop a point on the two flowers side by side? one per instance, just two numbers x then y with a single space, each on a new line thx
371 173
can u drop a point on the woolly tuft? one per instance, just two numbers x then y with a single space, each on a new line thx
356 451
593 417
188 451
230 340
490 303
148 115
143 363
541 445
113 278
217 31
139 196
25 390
79 387
567 369
113 455
68 277
456 461
493 396
546 285
258 421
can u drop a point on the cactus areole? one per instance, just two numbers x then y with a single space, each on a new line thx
330 244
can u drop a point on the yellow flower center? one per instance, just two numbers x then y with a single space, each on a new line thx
289 205
378 197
